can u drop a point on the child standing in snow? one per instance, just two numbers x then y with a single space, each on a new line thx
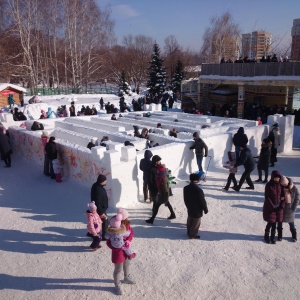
120 259
116 233
94 225
232 170
57 168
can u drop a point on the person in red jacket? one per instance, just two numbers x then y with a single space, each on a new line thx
273 206
119 257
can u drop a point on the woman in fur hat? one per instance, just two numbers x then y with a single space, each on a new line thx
291 198
120 235
273 206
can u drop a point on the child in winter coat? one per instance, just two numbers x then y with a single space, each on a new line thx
291 198
57 168
116 232
264 160
232 170
94 225
119 257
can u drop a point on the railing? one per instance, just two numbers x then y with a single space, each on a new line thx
66 91
252 69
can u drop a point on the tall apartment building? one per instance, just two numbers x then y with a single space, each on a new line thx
295 52
256 44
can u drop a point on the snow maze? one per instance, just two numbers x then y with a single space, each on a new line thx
121 164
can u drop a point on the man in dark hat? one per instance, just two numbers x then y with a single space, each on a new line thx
245 159
99 195
200 149
195 203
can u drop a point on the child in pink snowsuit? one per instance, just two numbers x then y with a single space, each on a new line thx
57 168
94 225
116 233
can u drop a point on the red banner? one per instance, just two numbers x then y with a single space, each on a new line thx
6 93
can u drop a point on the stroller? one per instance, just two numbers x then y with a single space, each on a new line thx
202 174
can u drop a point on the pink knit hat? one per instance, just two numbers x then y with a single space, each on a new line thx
115 221
123 212
92 206
284 181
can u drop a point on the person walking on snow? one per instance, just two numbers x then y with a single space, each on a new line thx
195 203
245 159
291 198
119 258
232 170
162 183
200 149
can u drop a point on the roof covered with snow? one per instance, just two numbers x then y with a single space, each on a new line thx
4 86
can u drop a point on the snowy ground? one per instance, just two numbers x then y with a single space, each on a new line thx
44 252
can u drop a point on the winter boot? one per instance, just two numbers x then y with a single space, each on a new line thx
118 288
279 230
267 236
129 280
150 221
272 239
294 235
58 177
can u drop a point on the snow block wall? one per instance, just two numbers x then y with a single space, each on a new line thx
121 164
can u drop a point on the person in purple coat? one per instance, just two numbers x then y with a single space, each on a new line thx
273 206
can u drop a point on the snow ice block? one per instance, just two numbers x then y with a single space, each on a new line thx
98 152
112 157
128 153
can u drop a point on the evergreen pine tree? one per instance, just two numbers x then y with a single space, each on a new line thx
124 87
178 77
157 73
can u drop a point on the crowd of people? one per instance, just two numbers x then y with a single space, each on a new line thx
264 58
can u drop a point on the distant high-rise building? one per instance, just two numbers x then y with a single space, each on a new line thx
256 44
295 52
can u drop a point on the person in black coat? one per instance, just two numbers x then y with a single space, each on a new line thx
240 138
145 166
153 190
195 203
5 148
99 195
245 159
264 160
51 152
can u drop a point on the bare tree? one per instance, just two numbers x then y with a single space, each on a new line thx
172 52
220 39
138 51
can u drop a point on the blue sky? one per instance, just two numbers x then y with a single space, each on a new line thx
188 19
